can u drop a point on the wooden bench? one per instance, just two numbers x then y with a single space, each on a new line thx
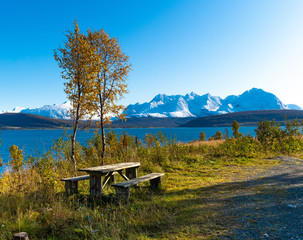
71 184
123 188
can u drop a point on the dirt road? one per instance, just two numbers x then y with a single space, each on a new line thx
269 205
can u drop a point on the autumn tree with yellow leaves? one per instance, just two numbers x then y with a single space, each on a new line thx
110 82
95 70
78 62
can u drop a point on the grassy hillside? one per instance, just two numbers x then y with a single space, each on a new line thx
250 118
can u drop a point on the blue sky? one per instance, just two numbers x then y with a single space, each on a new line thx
175 46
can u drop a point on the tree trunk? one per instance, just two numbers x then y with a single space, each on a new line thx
102 133
73 141
73 138
102 100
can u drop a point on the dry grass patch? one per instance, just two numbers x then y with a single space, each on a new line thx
212 143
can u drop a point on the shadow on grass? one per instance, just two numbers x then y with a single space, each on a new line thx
268 207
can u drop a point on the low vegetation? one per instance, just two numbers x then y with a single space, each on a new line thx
190 205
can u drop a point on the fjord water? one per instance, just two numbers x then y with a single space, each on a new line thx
37 142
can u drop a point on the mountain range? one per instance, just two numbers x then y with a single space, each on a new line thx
194 105
179 106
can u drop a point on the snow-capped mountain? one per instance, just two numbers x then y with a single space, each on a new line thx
190 105
14 110
58 111
194 105
162 105
253 99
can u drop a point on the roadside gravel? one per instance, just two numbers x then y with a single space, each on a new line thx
268 205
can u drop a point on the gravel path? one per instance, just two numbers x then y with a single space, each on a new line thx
269 205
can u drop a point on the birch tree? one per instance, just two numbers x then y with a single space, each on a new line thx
110 82
0 156
78 63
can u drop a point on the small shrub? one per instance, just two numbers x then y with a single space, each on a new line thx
150 139
16 158
218 135
202 136
226 134
235 127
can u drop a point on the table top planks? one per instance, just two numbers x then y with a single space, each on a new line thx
111 168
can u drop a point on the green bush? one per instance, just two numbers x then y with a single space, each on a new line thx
244 146
278 140
235 127
218 135
270 135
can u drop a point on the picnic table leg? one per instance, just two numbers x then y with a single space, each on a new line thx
155 184
71 187
111 180
131 173
108 179
122 193
96 182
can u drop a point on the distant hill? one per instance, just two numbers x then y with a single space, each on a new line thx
30 121
248 118
149 122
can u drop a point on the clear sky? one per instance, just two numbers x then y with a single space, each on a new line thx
175 46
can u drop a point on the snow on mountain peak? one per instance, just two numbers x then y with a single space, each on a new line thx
191 95
16 110
159 97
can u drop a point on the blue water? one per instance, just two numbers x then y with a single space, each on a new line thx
34 142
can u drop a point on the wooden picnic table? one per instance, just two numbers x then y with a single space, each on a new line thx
101 175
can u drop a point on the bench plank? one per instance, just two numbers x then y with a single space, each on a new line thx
78 178
138 180
123 188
